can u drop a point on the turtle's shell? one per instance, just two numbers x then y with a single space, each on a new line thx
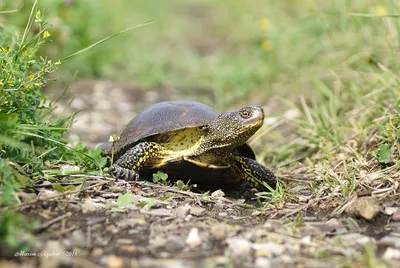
164 117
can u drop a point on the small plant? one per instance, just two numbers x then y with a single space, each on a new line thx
161 178
383 154
184 186
274 195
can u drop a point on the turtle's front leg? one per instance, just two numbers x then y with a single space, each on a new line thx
127 167
254 172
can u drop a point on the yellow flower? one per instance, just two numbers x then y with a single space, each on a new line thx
267 45
380 11
11 83
58 63
25 54
265 24
31 77
46 34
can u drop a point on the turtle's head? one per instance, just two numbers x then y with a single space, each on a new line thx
235 128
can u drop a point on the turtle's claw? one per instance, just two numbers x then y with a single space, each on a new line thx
123 173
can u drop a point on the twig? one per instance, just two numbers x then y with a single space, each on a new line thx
47 224
51 197
311 202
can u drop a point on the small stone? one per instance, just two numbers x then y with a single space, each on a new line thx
330 226
89 205
217 194
256 213
395 241
356 237
389 210
181 211
44 193
114 262
391 254
366 207
128 248
97 252
161 212
334 222
78 239
296 189
174 244
223 214
262 262
218 231
197 211
306 240
239 247
193 239
268 249
125 241
69 168
396 216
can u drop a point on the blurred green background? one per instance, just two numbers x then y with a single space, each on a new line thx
233 52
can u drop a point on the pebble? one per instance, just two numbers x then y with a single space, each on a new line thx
181 211
391 239
97 252
193 240
44 193
125 241
268 249
197 211
89 205
217 193
356 237
114 262
218 231
396 216
223 214
262 262
390 210
366 207
128 248
239 247
78 239
160 212
70 168
391 254
174 244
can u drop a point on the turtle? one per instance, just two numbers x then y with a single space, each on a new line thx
190 140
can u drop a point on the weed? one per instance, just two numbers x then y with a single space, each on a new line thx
184 186
161 178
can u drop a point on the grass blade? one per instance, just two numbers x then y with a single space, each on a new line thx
105 39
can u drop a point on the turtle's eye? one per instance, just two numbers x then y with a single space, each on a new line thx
245 113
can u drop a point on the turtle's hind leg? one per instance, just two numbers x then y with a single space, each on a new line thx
127 167
254 172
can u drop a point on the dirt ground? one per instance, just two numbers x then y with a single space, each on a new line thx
163 226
